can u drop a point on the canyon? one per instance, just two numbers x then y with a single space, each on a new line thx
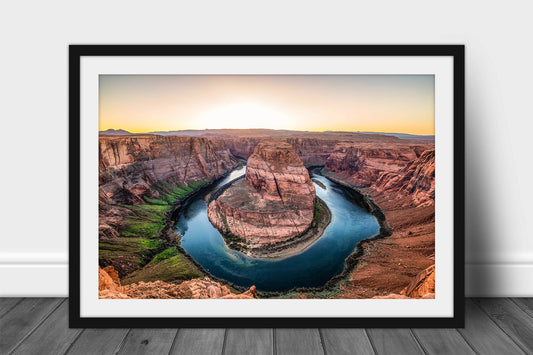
145 178
401 181
131 165
273 203
141 180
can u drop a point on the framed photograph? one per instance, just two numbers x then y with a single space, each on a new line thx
266 186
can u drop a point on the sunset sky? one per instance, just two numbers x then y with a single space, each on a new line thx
378 103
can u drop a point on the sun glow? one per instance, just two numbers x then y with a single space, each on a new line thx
378 103
242 115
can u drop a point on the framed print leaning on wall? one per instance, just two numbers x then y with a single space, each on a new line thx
266 186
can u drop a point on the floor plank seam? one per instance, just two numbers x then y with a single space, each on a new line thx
417 340
467 342
526 350
499 327
13 306
522 306
371 341
274 342
36 326
171 350
122 342
74 341
224 341
322 341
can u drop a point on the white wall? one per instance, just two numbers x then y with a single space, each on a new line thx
34 86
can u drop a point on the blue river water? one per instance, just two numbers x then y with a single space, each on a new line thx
311 268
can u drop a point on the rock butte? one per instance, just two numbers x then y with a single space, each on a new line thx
273 203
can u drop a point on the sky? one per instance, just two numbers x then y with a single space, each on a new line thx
377 103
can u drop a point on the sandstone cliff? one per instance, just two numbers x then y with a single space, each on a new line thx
134 168
275 201
362 164
110 287
312 151
243 147
403 169
313 148
423 285
417 179
141 177
276 172
109 284
130 165
400 178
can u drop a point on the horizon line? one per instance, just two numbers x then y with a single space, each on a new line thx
267 129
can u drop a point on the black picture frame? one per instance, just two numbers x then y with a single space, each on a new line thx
76 52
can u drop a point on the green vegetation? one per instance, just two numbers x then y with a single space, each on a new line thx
330 290
327 293
170 194
141 244
168 266
281 296
150 244
234 241
145 221
149 220
321 212
133 251
165 254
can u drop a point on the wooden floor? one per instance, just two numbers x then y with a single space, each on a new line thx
40 326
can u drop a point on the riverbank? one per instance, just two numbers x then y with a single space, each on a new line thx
158 255
381 266
297 244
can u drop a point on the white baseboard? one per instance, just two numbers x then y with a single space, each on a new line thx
499 280
50 279
34 280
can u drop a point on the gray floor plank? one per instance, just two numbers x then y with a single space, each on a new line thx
516 323
22 319
442 341
249 341
484 335
526 304
394 341
148 341
298 341
346 341
53 336
6 304
199 341
98 342
40 326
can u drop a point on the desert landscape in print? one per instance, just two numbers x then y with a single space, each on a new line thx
249 186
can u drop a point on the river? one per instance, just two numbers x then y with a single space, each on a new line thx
313 267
